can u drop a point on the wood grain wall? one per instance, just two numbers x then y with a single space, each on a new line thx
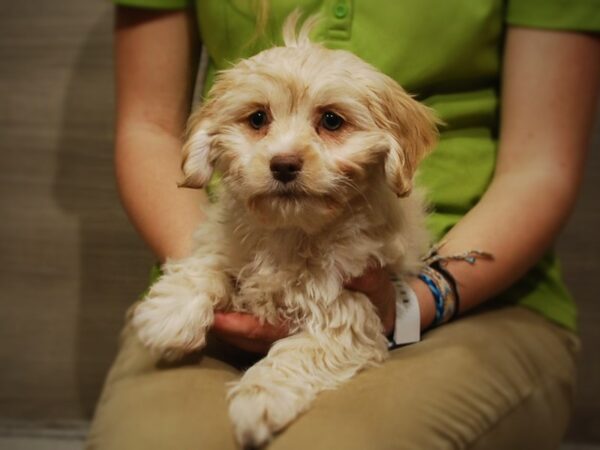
70 263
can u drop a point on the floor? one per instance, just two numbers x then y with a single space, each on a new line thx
63 436
14 436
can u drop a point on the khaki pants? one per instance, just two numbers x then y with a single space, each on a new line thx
502 378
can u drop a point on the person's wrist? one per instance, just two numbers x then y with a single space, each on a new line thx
389 315
426 302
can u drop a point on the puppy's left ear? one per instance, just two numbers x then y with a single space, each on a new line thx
198 162
413 131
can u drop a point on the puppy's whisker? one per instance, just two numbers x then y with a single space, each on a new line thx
238 230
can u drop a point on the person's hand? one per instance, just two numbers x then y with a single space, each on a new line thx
245 331
375 283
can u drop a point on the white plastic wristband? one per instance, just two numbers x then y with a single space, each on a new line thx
408 315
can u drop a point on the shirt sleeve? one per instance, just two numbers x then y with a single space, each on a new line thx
155 4
574 15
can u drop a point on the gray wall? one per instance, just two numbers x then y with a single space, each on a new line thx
579 248
71 263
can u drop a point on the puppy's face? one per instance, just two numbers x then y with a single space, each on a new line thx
299 132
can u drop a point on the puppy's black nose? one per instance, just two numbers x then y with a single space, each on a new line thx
285 168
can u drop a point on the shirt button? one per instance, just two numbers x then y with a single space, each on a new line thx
340 10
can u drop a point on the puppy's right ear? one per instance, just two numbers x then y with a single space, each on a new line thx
198 163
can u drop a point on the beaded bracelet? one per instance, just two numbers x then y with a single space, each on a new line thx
437 266
442 284
443 295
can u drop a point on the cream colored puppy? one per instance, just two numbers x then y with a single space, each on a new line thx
317 152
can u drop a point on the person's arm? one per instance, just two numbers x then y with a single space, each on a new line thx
549 94
156 60
549 97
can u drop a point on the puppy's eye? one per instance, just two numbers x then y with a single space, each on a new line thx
258 119
331 121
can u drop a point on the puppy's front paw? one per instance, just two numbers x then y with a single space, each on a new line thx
257 412
173 325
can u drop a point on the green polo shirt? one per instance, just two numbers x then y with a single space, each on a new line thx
447 53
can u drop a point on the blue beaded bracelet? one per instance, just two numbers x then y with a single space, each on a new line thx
437 297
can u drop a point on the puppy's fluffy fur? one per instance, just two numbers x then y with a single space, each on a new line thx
281 250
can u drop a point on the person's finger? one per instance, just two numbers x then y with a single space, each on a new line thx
370 281
245 331
247 326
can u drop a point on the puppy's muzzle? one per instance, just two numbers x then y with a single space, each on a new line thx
285 168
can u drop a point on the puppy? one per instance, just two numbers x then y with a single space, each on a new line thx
317 151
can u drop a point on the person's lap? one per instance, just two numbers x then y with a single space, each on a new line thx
501 378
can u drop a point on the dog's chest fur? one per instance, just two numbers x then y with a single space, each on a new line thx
287 273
